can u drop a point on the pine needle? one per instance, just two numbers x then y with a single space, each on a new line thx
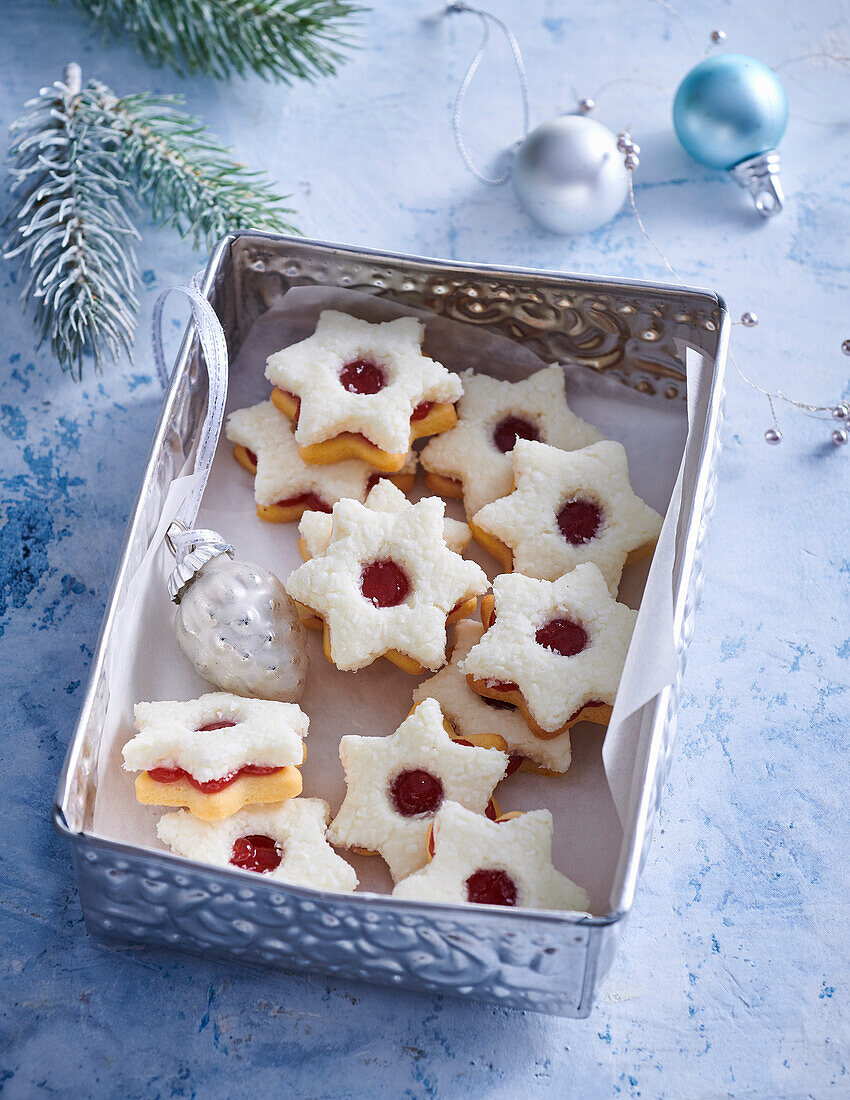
277 39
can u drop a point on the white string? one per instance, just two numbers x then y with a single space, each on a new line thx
771 395
669 7
214 348
458 6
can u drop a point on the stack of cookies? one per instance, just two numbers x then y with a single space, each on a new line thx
385 579
233 764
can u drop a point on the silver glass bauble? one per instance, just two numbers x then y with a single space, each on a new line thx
569 175
239 628
730 112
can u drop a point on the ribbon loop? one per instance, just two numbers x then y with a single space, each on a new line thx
214 349
193 548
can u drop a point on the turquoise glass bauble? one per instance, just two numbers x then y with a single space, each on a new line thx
728 109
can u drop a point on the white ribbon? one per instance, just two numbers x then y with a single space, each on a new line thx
193 547
214 348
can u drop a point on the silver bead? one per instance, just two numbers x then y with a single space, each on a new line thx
845 347
624 141
749 320
773 436
632 161
718 36
841 412
839 437
586 105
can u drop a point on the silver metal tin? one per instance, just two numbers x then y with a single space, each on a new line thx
543 961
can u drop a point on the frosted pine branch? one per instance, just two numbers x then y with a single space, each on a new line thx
70 228
183 174
278 39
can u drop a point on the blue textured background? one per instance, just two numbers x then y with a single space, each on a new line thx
731 980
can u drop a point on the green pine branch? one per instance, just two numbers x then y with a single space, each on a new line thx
278 39
70 228
79 160
183 174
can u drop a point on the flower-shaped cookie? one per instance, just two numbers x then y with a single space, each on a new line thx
285 485
556 649
490 721
568 507
396 784
361 390
217 753
507 862
473 460
285 842
315 528
385 586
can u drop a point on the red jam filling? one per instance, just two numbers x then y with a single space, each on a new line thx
500 685
590 703
309 500
212 786
498 704
252 456
490 811
564 636
514 764
362 376
579 521
422 410
224 724
416 792
491 888
384 583
509 430
256 853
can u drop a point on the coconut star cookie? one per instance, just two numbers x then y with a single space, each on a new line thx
286 843
396 784
285 485
315 528
505 862
568 507
483 721
217 753
386 585
555 649
361 390
473 460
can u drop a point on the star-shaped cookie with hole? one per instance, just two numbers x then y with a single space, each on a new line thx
363 390
285 485
396 784
386 585
315 528
556 649
473 460
568 507
483 862
216 753
486 721
286 843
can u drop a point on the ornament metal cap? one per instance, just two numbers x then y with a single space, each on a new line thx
760 175
192 550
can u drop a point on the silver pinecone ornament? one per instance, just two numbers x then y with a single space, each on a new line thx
239 628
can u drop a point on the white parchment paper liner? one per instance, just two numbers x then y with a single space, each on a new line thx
593 800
